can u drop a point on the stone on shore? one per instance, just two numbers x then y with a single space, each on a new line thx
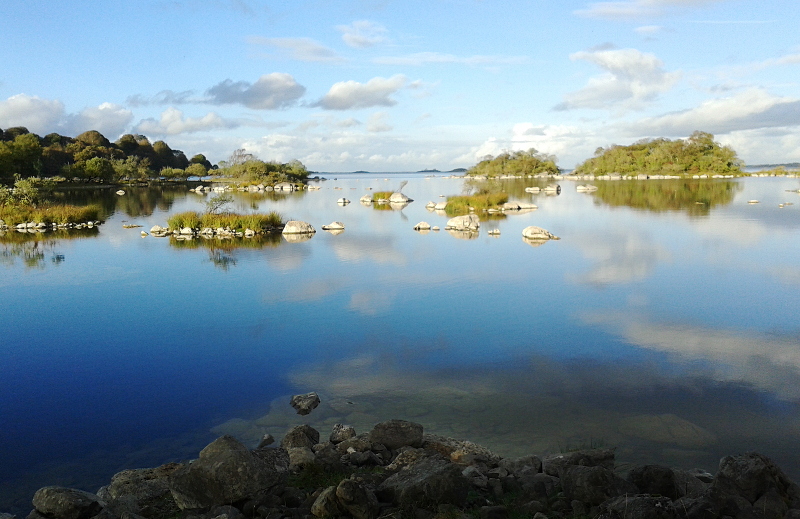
66 503
397 433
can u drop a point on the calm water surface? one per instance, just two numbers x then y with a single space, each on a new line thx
657 325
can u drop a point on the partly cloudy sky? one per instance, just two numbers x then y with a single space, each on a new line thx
381 85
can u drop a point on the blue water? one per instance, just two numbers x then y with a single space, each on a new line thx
131 351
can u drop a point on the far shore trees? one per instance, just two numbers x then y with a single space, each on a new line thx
516 163
697 155
247 169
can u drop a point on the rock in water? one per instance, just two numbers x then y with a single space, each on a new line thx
298 227
469 222
304 404
537 233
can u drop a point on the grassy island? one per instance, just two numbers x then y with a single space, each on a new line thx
517 163
26 202
236 222
697 155
480 202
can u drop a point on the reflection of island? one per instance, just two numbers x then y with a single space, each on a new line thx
696 197
33 253
222 252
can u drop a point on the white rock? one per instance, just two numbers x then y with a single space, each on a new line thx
537 233
469 222
333 226
422 226
298 227
343 201
399 198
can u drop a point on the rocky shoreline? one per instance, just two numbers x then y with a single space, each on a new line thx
397 471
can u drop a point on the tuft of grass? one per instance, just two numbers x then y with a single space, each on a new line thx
48 214
186 219
458 205
235 222
381 195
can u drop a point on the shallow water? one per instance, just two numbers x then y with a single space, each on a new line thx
667 330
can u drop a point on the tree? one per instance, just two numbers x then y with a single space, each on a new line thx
99 168
202 160
93 138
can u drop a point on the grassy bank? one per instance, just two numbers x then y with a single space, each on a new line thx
238 222
49 214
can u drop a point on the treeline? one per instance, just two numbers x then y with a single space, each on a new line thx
246 169
92 157
515 163
699 154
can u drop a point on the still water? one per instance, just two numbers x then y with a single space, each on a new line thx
664 324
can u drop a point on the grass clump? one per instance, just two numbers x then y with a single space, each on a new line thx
459 205
190 219
48 214
381 195
235 222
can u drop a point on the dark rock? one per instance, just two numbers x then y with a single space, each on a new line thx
771 505
341 433
638 507
397 433
304 404
266 440
66 503
689 482
360 443
593 485
554 463
713 503
225 512
144 492
425 484
227 472
523 465
655 479
751 475
364 459
300 457
357 499
493 512
539 486
326 504
300 436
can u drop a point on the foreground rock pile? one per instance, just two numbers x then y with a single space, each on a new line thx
396 471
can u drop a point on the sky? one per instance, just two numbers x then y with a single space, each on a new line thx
382 85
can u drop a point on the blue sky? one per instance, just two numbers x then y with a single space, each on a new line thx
398 86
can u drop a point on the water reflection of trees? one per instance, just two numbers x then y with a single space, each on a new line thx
696 197
222 253
137 200
34 253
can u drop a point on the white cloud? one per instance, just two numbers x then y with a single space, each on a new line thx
352 94
37 115
362 34
438 58
649 30
109 119
625 9
750 109
165 97
173 122
301 49
271 92
632 79
349 122
379 122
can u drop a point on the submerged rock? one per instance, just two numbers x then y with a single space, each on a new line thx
304 404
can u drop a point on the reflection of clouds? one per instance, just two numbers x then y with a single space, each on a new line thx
371 303
620 258
306 290
766 362
739 232
288 257
378 249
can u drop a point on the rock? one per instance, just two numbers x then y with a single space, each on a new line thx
422 226
553 464
158 230
366 199
187 230
537 233
399 198
359 501
144 492
524 465
298 238
397 433
66 503
751 475
300 436
468 222
333 226
284 186
638 507
462 452
326 504
120 192
592 485
249 233
655 479
298 227
226 472
266 440
341 433
304 404
343 201
440 206
426 484
300 457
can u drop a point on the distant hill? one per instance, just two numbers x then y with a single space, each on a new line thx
790 165
429 171
458 170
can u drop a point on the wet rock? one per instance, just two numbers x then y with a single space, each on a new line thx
66 503
397 433
426 484
298 227
226 472
144 492
266 440
341 433
304 404
300 436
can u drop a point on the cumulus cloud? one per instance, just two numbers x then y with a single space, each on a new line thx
271 92
352 94
438 58
362 34
625 9
108 118
379 122
750 109
37 114
632 79
300 49
173 122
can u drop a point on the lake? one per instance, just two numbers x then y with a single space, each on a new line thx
663 323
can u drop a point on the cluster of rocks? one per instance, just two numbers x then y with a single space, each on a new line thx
395 471
282 186
189 233
39 227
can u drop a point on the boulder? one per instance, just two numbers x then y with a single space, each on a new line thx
467 222
399 198
638 507
358 500
428 483
300 457
304 404
226 472
326 504
553 464
343 201
366 199
157 230
593 485
397 433
524 465
537 233
341 433
144 492
655 479
422 226
440 206
66 503
751 475
298 227
300 436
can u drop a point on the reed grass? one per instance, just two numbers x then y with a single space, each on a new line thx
49 214
236 222
381 195
459 205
